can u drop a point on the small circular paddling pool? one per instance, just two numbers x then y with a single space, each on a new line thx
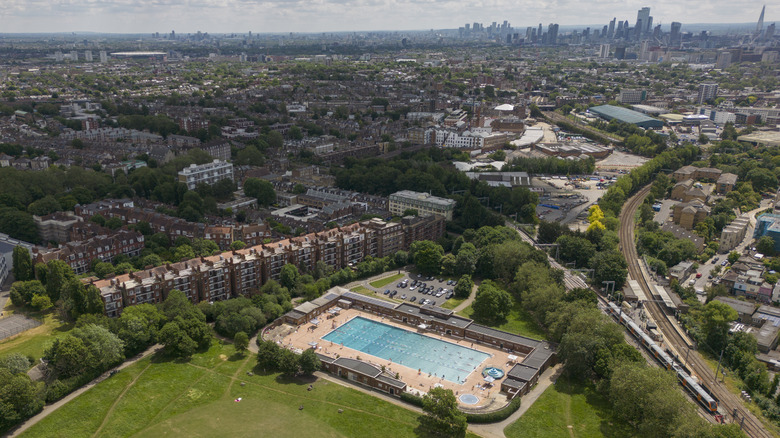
468 399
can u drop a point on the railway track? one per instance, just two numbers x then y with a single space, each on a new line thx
729 403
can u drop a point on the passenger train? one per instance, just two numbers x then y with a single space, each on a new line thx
697 390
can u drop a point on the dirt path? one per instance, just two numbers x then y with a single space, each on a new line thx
119 398
48 409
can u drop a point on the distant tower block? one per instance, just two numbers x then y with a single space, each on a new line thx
103 56
88 55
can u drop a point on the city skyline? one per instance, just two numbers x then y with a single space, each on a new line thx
240 16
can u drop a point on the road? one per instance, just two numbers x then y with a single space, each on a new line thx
705 269
729 403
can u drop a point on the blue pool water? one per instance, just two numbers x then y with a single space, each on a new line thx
432 356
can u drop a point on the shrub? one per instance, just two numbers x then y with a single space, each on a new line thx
495 416
412 399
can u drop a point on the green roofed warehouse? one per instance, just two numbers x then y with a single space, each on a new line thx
626 115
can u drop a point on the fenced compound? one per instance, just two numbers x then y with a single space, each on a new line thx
15 324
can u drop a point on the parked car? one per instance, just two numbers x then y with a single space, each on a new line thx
698 275
387 291
413 299
403 297
715 260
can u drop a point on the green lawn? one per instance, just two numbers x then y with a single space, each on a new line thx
519 321
385 281
453 303
32 342
156 397
568 409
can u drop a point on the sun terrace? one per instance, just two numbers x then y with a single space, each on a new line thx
396 347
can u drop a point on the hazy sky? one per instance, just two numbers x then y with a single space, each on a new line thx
183 16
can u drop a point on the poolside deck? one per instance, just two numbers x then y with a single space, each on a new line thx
302 337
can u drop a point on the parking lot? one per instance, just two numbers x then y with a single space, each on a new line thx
412 291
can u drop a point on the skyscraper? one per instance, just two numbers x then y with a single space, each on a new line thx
552 34
604 51
675 38
760 24
611 31
643 21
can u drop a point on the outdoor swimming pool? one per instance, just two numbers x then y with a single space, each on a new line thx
432 356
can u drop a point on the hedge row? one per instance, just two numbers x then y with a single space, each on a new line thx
490 417
412 399
495 416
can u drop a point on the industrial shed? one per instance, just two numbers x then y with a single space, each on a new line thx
625 115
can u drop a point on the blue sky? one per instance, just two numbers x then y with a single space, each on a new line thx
130 16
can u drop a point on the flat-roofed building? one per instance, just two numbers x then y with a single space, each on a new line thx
425 204
209 173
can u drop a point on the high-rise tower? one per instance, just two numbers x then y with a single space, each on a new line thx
760 24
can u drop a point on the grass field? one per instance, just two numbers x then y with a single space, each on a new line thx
32 342
568 409
157 398
452 303
385 281
519 321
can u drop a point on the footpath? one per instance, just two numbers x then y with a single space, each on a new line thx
48 409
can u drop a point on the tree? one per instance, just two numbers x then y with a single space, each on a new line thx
23 267
463 287
410 212
18 224
176 340
44 206
41 302
466 261
262 190
715 324
251 156
575 249
491 303
138 327
267 352
66 356
609 266
103 348
57 273
427 256
287 362
114 223
15 363
647 398
309 362
766 246
241 342
443 418
289 276
22 292
19 398
237 245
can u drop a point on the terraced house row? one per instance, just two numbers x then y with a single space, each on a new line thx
236 273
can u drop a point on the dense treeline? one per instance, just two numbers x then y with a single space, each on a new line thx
551 165
591 346
612 202
638 140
